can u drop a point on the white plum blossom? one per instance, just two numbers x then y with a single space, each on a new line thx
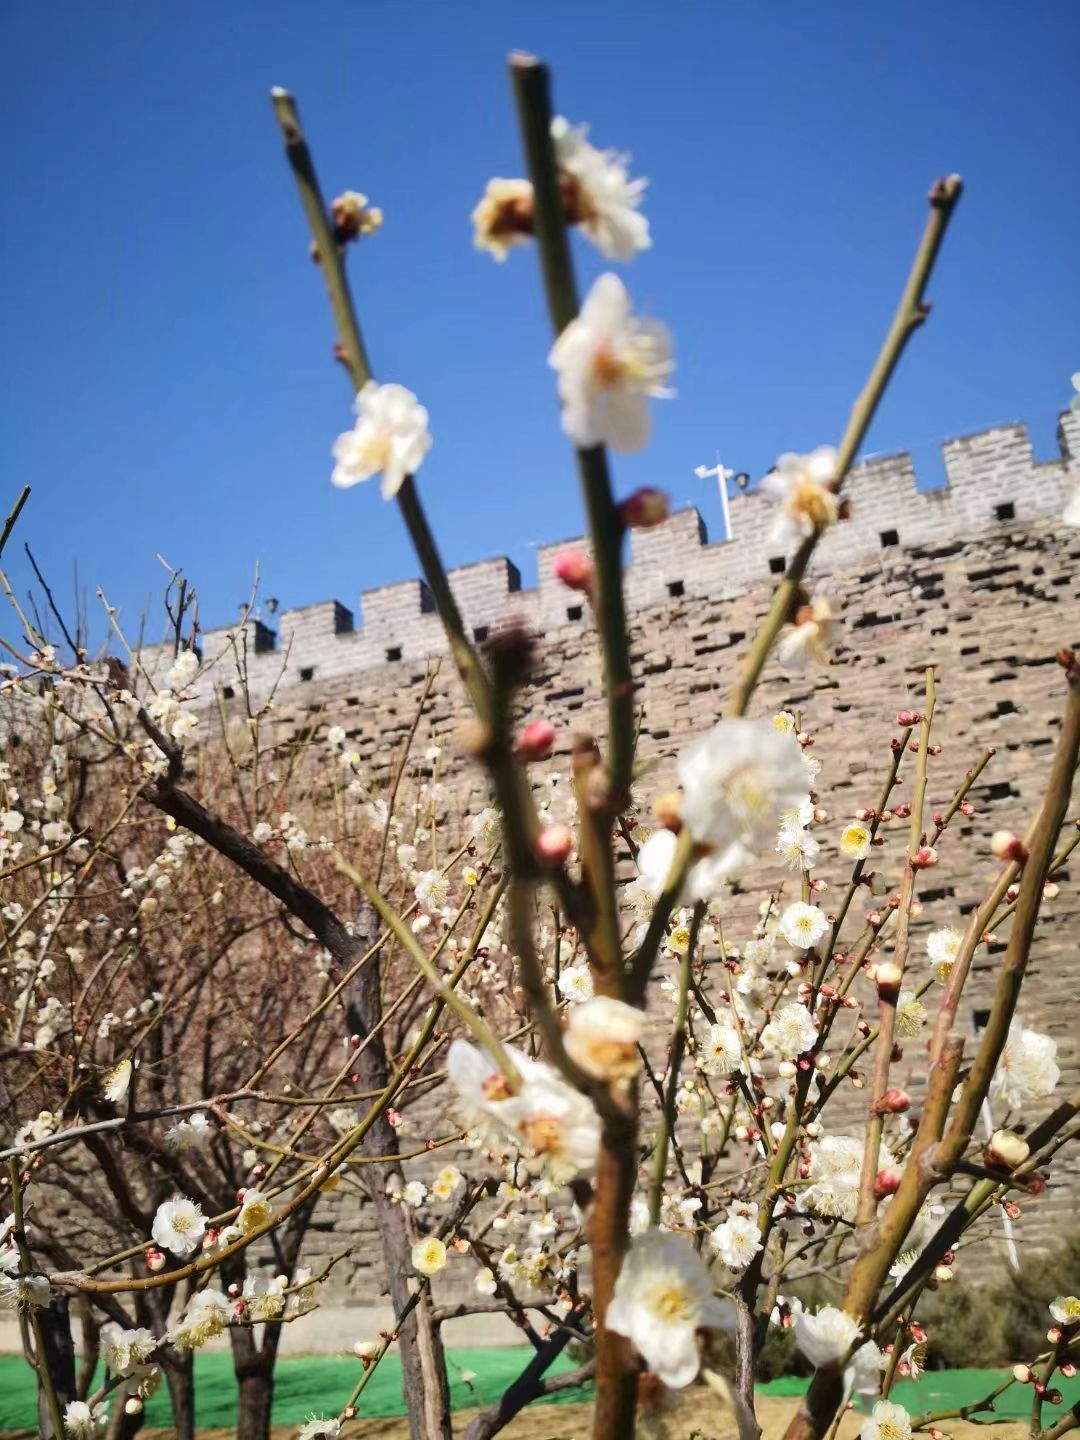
414 1193
737 781
255 1212
798 847
24 1292
447 1182
83 1423
802 925
720 1050
791 1032
115 1084
662 1297
183 670
855 840
485 1282
429 1256
800 486
179 1225
607 200
863 1375
887 1421
484 826
835 1168
576 984
1066 1310
942 946
390 438
737 1240
826 1336
504 216
125 1350
316 1428
609 362
602 1037
1028 1068
207 1314
432 889
704 878
910 1016
556 1127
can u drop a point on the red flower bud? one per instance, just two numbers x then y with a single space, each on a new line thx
925 857
536 740
574 569
907 718
886 1182
902 811
554 844
1007 846
893 1102
644 508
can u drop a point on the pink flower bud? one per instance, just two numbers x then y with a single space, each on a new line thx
886 1182
933 749
907 718
554 844
536 740
966 807
902 811
893 1102
645 508
574 569
1054 1396
864 813
233 1291
1068 1369
393 1117
1007 846
1006 1150
155 1260
925 857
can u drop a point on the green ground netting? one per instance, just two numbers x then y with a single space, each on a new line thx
321 1383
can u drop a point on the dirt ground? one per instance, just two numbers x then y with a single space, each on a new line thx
695 1415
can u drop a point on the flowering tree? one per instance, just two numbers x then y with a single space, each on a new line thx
661 1141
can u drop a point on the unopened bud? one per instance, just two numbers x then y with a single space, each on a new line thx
886 1182
1053 1396
1007 846
966 807
645 508
1023 1374
893 1102
907 718
786 1070
943 1274
813 1129
574 569
863 813
925 857
155 1260
902 811
1006 1150
1068 1370
554 844
133 1405
536 740
933 749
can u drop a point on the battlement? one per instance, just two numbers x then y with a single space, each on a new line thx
992 481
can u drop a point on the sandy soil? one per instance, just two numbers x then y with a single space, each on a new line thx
695 1415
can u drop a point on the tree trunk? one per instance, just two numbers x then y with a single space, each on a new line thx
254 1369
57 1359
424 1380
179 1368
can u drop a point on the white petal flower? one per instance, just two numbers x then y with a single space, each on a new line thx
602 1037
910 1016
207 1314
942 946
504 216
485 1282
83 1423
576 984
800 485
1028 1068
663 1296
825 1337
179 1225
429 1256
606 200
432 889
887 1421
316 1428
609 363
790 1032
802 925
704 879
855 840
720 1051
390 438
1066 1310
115 1084
863 1375
24 1292
737 1240
414 1193
737 781
556 1127
255 1212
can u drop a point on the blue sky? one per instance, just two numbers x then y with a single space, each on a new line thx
166 378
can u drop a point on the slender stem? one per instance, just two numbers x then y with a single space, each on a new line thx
26 1266
666 1127
910 314
16 511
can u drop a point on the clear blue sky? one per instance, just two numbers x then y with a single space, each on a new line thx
166 380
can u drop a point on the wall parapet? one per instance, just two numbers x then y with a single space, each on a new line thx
992 480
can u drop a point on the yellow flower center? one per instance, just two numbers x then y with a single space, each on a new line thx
812 500
375 450
671 1301
543 1134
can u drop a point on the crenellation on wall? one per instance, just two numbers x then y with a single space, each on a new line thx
992 479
